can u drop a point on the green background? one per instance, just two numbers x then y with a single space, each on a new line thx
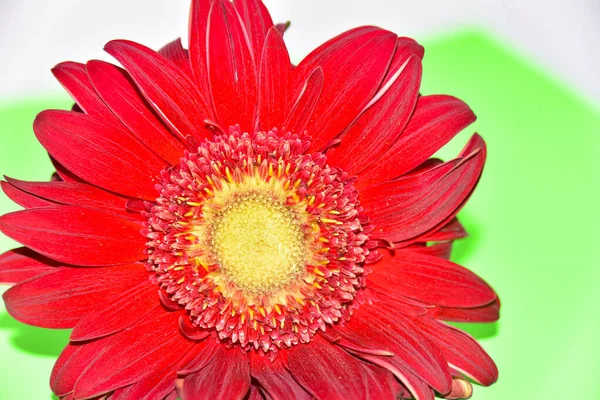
533 223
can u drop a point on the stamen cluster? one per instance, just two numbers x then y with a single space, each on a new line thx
263 244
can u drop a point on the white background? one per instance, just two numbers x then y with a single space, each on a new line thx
563 36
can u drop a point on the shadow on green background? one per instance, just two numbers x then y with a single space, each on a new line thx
33 340
533 222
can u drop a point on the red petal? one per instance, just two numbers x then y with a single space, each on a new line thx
328 372
275 378
474 146
454 230
436 120
257 22
487 313
417 388
254 394
380 382
179 56
197 38
121 94
77 235
157 386
431 280
412 205
61 297
383 328
22 198
205 351
188 329
306 99
396 208
354 346
442 250
408 46
71 193
461 350
74 359
231 68
381 125
129 308
354 64
139 352
73 76
166 87
99 153
19 264
63 173
168 302
275 80
227 376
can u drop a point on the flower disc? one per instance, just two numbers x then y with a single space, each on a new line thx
261 242
258 242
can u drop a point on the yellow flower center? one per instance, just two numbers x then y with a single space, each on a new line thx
263 244
258 242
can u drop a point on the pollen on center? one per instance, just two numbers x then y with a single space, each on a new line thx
258 242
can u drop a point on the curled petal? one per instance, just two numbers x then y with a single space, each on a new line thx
71 193
22 198
305 102
257 22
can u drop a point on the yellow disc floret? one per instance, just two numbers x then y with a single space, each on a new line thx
258 242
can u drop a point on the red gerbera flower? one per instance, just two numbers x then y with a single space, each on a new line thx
231 226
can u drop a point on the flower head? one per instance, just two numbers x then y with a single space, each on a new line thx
223 224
